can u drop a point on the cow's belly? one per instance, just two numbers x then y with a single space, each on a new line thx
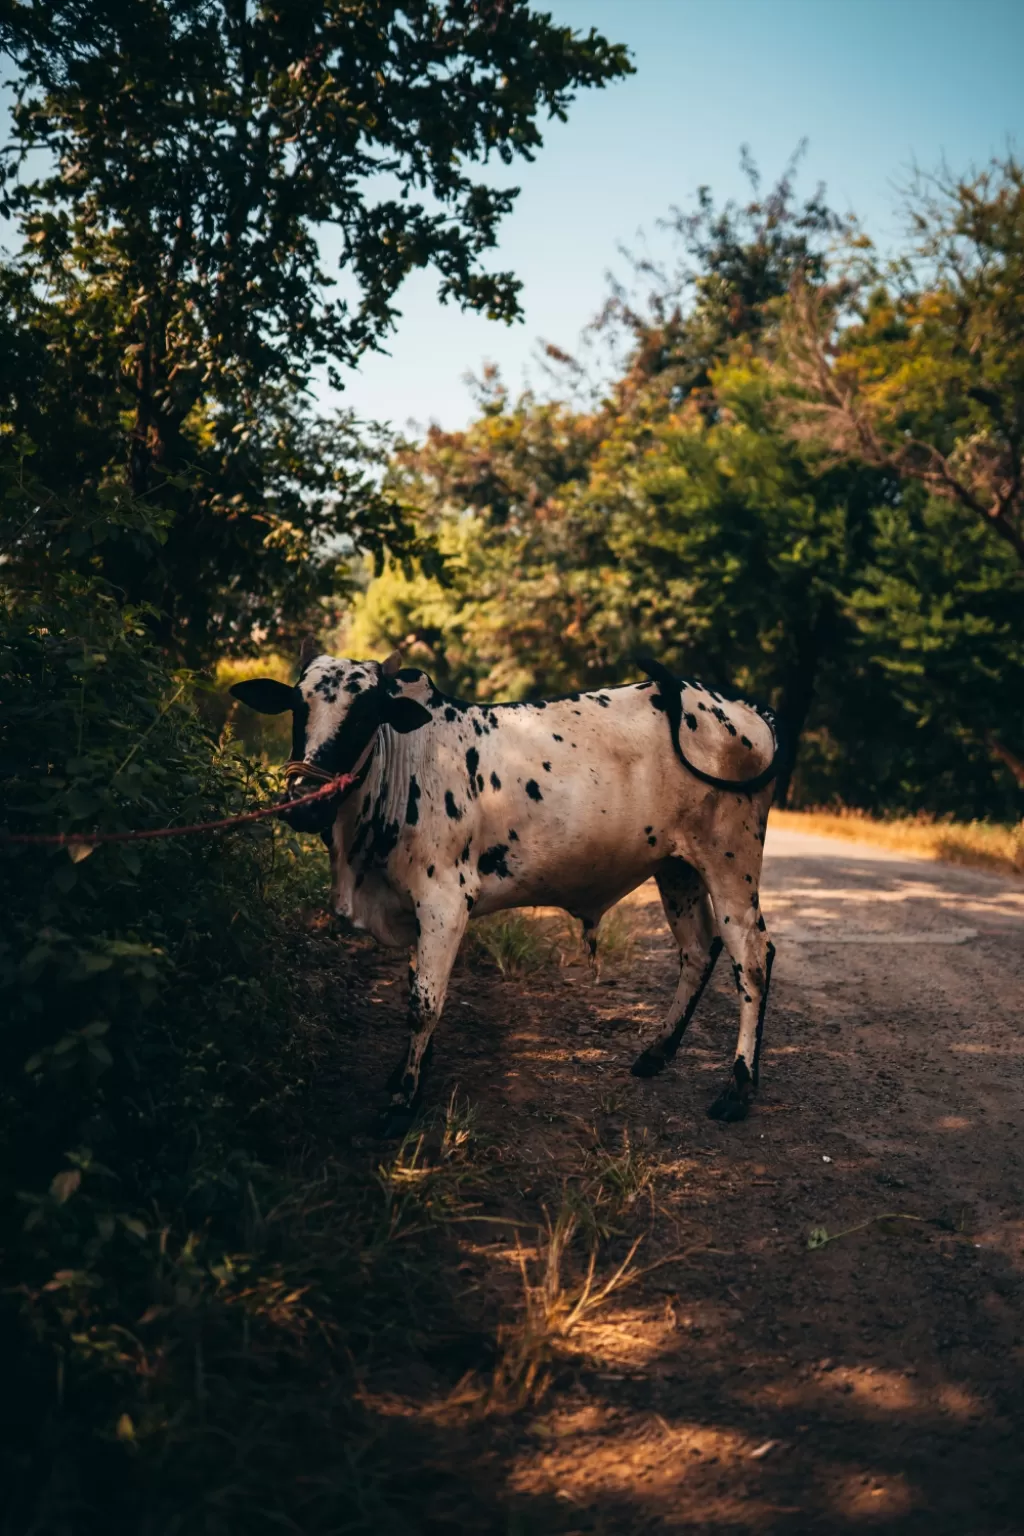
587 885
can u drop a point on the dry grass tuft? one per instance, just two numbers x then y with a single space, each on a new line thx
555 1309
981 844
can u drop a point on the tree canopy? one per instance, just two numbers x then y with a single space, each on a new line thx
220 201
711 510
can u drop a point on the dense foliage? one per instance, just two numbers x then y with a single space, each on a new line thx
700 510
136 996
220 200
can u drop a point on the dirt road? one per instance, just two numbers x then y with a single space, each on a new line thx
748 1383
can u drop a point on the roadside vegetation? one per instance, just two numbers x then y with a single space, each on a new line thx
982 844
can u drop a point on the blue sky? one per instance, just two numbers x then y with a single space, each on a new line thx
872 84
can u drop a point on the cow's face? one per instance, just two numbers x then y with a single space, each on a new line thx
337 706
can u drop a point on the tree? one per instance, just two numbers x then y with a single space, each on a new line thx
920 370
500 499
733 264
174 298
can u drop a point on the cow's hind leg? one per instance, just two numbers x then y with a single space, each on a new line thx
429 970
742 928
688 909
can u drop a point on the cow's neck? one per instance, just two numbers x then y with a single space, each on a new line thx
383 796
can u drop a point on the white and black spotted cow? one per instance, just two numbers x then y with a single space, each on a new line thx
462 809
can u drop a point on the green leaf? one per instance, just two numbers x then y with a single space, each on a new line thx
64 1184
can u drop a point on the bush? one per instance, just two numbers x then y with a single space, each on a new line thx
138 989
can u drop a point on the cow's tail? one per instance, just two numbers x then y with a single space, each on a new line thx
672 694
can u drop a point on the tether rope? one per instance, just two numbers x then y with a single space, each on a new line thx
92 839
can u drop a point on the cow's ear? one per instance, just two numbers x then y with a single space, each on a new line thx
404 715
265 694
392 664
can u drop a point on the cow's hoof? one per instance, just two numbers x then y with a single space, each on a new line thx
648 1064
730 1106
395 1121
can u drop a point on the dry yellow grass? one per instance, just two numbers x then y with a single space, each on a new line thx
984 844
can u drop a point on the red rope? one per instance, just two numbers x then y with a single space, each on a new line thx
64 839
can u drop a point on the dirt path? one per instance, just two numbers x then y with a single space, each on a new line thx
747 1383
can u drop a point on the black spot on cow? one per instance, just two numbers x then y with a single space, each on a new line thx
462 879
749 879
513 835
533 789
541 704
478 727
451 807
730 855
479 782
409 674
464 856
574 698
652 841
648 829
495 781
412 810
450 713
703 707
353 686
546 767
385 836
430 871
492 861
469 903
746 741
760 924
659 703
603 700
472 764
555 736
691 721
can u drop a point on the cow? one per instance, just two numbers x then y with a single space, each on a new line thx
459 809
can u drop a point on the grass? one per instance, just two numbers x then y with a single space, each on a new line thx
516 943
527 940
556 1307
981 844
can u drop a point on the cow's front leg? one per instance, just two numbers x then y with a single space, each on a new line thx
441 927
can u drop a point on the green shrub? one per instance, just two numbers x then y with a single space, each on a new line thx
138 992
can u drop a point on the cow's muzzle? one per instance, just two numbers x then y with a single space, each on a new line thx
302 778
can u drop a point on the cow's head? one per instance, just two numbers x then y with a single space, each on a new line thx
338 706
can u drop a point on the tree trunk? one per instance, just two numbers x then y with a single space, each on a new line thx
813 640
1010 759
